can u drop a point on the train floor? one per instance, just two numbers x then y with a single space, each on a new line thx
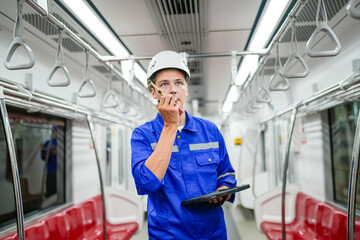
240 225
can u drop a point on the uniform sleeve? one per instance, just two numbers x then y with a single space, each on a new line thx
145 180
226 173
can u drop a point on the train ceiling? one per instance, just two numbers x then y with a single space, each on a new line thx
192 26
146 27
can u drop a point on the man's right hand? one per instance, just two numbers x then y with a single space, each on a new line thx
168 108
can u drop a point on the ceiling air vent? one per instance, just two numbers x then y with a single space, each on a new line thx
180 7
40 23
44 25
180 23
303 33
64 22
308 13
70 45
306 19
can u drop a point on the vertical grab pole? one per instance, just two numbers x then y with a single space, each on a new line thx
14 168
285 169
254 164
91 128
353 183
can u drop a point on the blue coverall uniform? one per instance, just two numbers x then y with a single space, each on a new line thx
199 164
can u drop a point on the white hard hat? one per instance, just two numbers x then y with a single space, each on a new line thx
167 59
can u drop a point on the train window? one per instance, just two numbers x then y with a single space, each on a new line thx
342 131
121 156
39 144
7 200
108 157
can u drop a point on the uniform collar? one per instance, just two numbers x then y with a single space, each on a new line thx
190 123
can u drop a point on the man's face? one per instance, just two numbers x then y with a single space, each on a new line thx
171 81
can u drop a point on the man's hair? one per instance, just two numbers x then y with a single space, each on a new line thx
153 77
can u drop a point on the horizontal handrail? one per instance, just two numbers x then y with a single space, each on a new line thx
263 52
42 101
349 82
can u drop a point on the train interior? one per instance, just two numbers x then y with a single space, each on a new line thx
278 77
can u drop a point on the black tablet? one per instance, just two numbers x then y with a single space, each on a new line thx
220 193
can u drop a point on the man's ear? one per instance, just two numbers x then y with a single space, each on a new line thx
153 93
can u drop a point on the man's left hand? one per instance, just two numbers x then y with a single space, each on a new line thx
221 199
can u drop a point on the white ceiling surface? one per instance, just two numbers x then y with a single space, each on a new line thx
230 23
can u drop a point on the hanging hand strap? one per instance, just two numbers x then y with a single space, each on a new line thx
87 80
110 99
351 10
294 55
132 72
19 40
255 104
59 64
233 67
263 95
322 27
284 84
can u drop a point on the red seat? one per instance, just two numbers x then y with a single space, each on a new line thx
75 219
324 220
81 221
37 231
339 226
88 215
313 220
59 227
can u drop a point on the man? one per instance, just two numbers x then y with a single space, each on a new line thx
50 158
175 158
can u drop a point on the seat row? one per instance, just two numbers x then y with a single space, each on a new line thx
314 220
80 221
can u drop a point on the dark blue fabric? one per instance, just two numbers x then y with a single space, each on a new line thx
52 161
190 174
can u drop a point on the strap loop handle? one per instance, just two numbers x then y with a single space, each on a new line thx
19 40
59 64
87 80
110 99
322 27
294 54
278 71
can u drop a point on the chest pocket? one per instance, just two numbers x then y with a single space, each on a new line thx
207 163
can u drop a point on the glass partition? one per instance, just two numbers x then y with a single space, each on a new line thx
39 144
342 121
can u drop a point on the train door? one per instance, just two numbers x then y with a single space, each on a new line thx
120 160
281 129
